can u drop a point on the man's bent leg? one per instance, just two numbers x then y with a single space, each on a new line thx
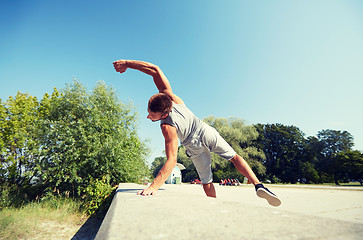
243 167
209 190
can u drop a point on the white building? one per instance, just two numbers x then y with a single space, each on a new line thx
176 175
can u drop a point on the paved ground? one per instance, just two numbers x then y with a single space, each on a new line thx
183 212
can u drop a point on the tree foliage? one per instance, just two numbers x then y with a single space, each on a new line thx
281 153
333 142
87 136
240 136
290 157
69 141
19 116
156 165
283 147
351 164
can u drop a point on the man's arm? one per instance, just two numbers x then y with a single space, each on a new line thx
160 80
171 149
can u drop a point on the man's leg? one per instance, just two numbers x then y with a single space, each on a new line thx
210 190
203 165
243 167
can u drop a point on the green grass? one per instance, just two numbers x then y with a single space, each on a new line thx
42 220
351 184
347 185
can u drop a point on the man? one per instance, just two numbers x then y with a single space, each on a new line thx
199 139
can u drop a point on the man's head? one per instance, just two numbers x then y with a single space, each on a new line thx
159 106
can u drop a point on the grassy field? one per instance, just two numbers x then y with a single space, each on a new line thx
53 219
352 184
348 184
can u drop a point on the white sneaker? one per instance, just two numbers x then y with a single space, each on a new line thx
271 198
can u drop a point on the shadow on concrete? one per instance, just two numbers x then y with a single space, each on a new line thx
136 190
89 229
133 190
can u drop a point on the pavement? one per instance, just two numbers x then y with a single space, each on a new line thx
184 212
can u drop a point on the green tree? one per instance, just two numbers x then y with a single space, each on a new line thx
333 142
3 115
18 118
351 164
310 159
240 136
86 137
46 102
156 165
283 148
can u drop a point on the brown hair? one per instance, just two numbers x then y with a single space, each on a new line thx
160 103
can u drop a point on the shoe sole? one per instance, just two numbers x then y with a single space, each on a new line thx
271 199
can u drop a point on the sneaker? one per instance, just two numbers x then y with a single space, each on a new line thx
271 198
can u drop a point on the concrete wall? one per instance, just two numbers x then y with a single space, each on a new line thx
183 212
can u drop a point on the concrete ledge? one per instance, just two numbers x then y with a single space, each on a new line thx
183 212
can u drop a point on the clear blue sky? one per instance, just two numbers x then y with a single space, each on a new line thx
292 62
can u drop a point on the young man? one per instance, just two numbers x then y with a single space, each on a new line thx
199 139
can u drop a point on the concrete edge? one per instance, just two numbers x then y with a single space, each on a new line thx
105 226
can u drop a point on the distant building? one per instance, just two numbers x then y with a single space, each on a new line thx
176 175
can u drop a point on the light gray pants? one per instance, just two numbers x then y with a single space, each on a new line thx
199 147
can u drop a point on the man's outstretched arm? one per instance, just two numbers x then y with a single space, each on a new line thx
160 80
171 149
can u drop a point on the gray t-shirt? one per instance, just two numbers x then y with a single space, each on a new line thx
185 122
198 138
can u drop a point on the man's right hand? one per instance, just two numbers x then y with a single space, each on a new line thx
148 191
120 66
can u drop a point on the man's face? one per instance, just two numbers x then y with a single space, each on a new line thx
155 116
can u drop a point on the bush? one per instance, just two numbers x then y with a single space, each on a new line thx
275 179
97 196
12 196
